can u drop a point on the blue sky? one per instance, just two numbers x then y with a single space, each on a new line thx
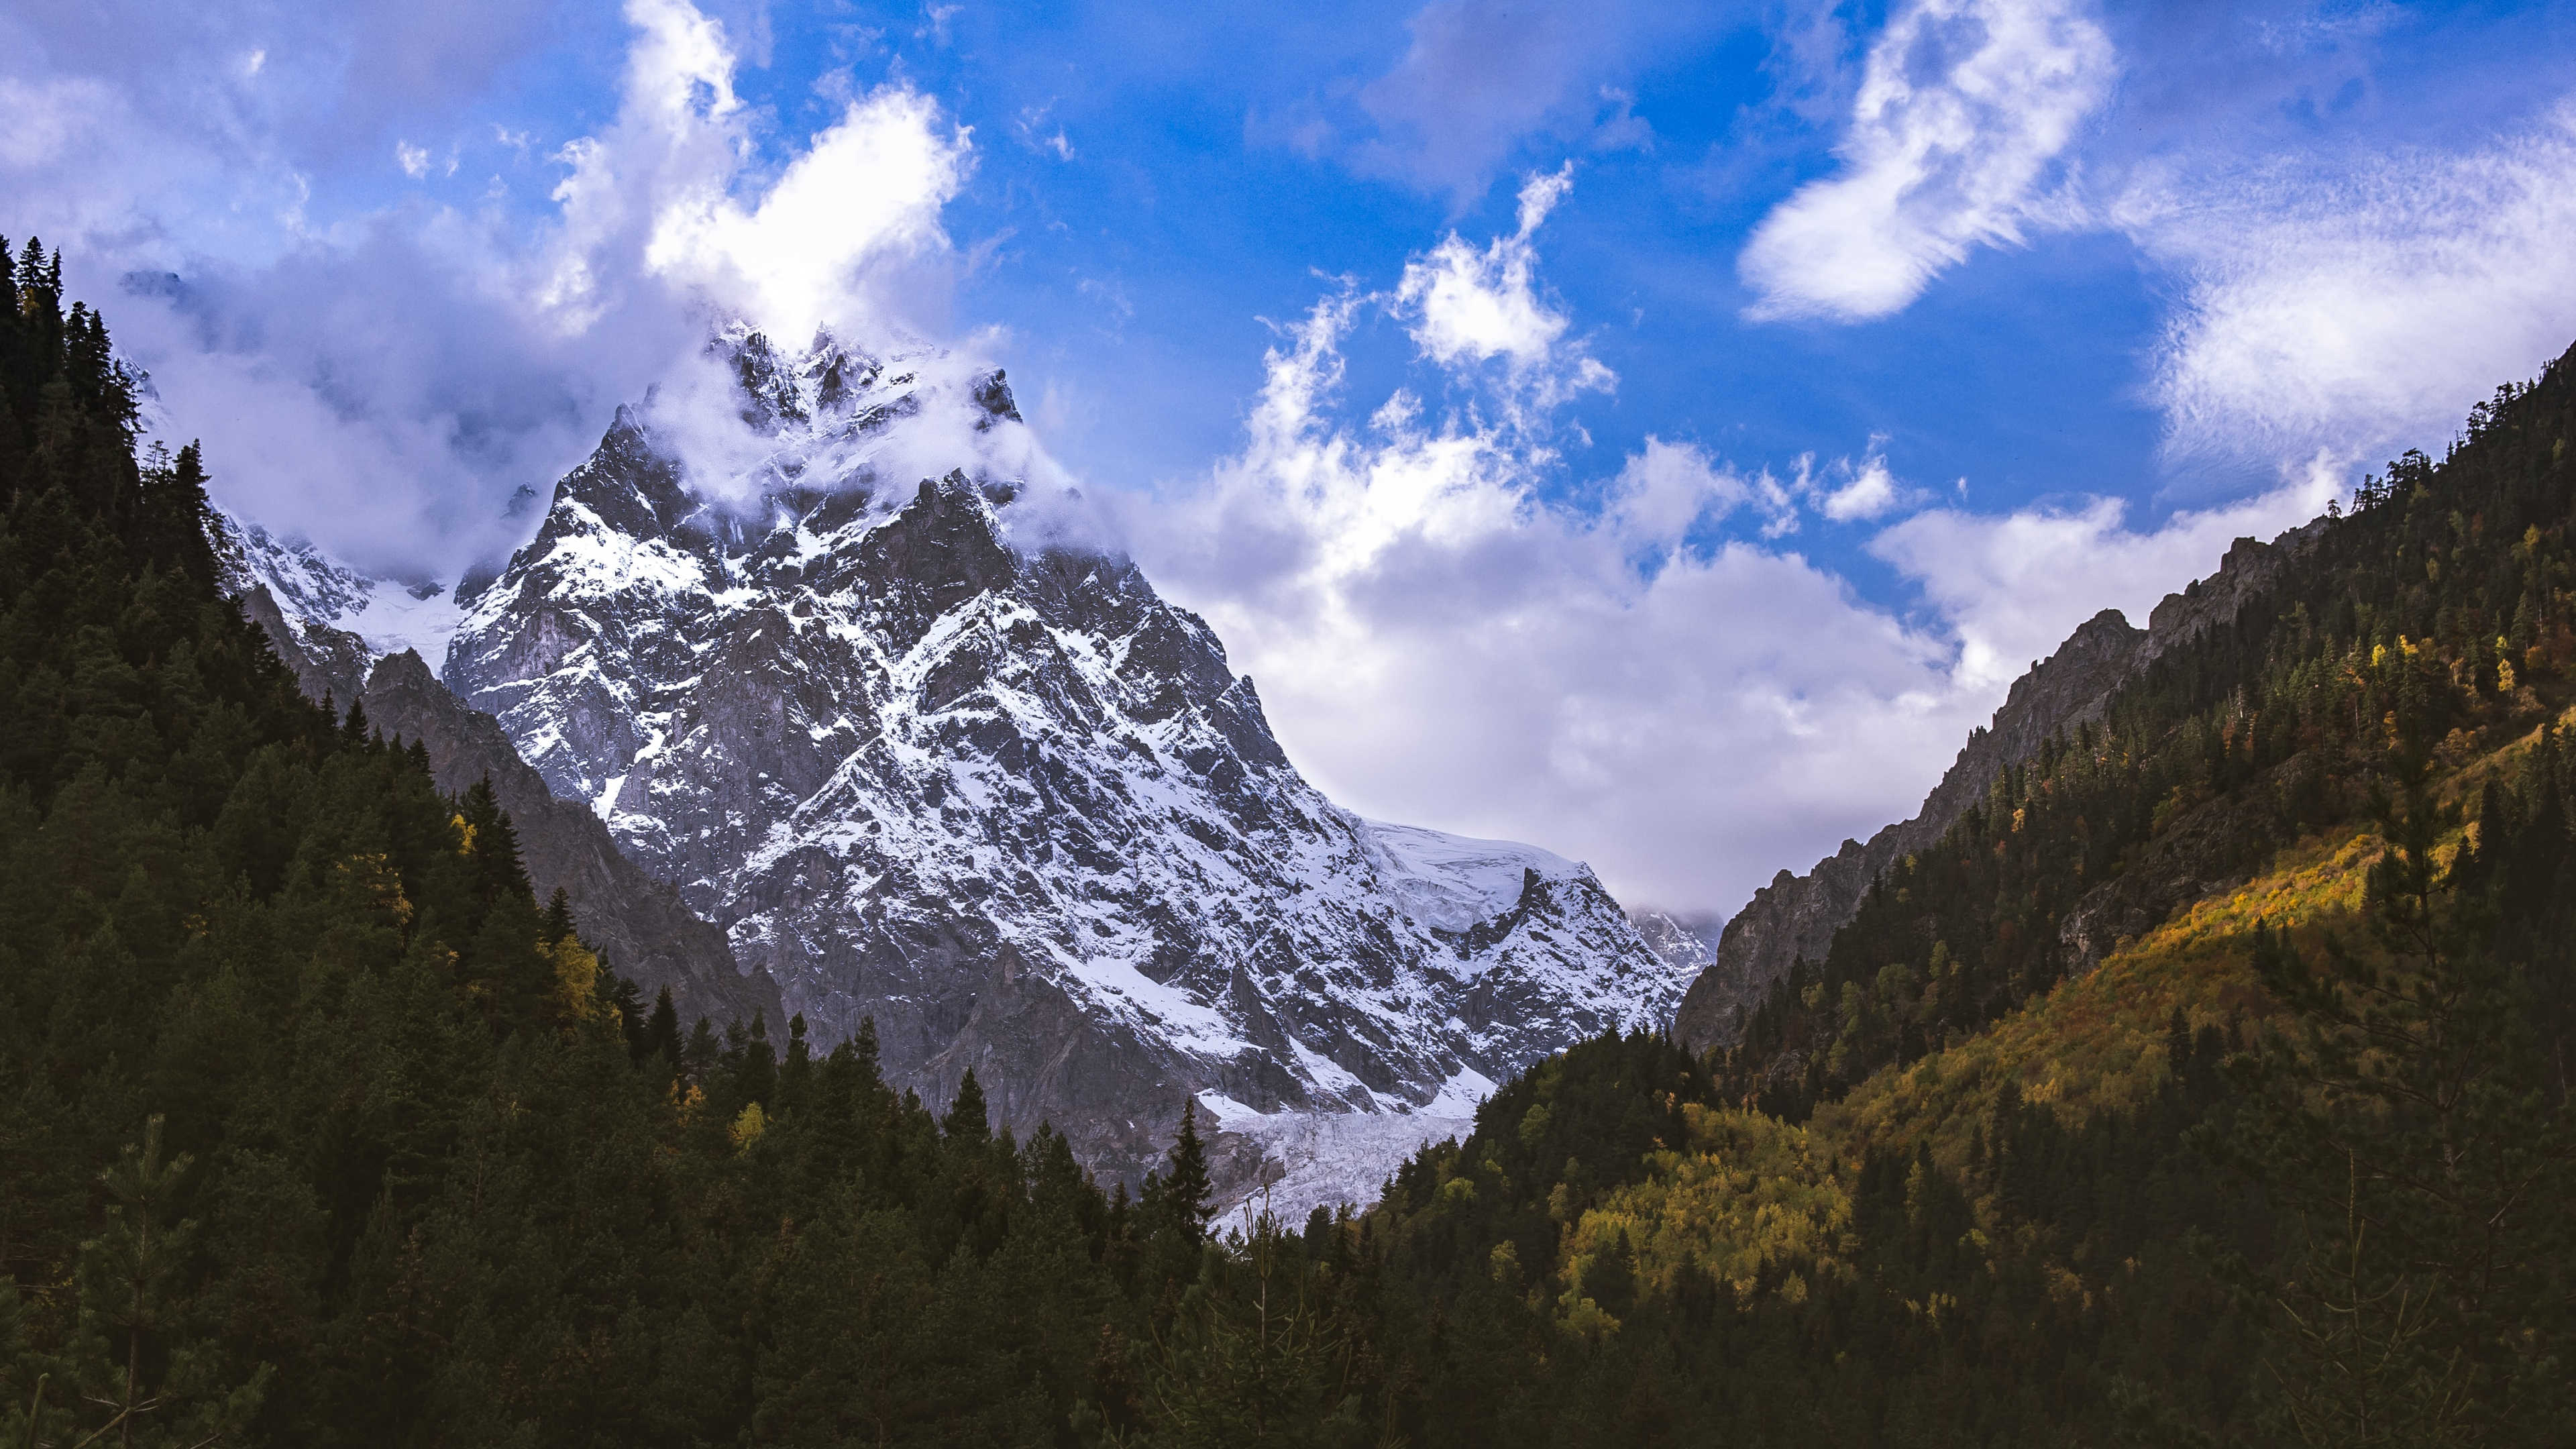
1770 383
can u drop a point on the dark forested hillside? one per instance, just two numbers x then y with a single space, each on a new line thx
2208 1083
316 1128
2292 1168
2439 608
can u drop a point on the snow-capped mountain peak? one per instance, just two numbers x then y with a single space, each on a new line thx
1007 801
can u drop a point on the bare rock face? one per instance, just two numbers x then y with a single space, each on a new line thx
641 929
1796 916
1683 941
1003 799
329 665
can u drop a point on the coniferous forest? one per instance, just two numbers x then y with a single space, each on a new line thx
317 1127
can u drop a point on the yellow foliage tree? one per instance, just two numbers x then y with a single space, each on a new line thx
1753 1199
576 993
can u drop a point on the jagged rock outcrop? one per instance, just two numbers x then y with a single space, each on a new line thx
329 665
1795 916
1684 940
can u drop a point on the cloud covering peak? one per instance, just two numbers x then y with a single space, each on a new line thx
670 192
383 385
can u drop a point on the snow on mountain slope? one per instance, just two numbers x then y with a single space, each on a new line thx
1005 800
312 589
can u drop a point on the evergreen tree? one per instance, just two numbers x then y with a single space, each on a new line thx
1184 1199
662 1029
129 1302
556 923
968 1119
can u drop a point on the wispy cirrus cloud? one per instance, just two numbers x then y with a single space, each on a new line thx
2357 301
2334 291
1964 110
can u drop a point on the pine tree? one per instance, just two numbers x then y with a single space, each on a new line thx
556 923
796 1073
627 1000
128 1299
662 1032
1252 1358
698 1058
968 1120
487 839
1183 1198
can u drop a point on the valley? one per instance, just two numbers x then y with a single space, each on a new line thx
807 964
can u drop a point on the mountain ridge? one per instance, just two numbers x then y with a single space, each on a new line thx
1795 916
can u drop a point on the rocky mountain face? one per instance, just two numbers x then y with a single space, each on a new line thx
1796 916
636 921
1004 800
1686 941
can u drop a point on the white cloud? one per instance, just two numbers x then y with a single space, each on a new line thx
1464 307
2359 302
1867 490
2011 586
834 239
384 384
1665 490
1963 108
382 397
40 123
863 199
2333 292
1437 644
1474 306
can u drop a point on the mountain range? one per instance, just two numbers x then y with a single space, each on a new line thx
803 737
